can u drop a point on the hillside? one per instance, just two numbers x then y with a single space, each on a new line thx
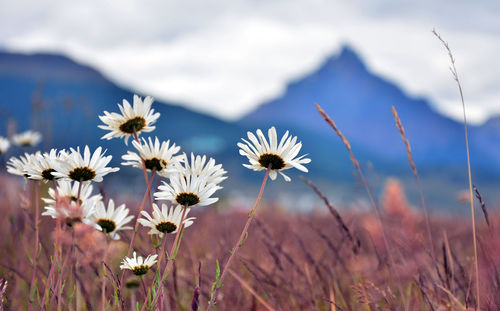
62 98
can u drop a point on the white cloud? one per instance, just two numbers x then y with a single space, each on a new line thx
226 57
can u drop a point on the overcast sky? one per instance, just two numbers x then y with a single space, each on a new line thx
226 56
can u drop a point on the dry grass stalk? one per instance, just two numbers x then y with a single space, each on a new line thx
335 250
250 290
310 285
334 305
421 287
332 299
275 248
368 191
454 72
261 282
458 304
483 205
450 260
401 130
355 242
339 133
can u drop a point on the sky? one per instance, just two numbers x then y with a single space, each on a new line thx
225 57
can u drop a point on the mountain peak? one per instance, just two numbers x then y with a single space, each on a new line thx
346 57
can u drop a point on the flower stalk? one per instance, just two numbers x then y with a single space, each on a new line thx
136 226
37 242
171 257
239 243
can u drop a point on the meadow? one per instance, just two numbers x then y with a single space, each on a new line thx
288 262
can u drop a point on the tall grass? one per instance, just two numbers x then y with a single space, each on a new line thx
290 261
399 126
373 203
454 73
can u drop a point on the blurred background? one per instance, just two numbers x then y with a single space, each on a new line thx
219 68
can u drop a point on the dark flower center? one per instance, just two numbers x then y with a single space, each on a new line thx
107 225
72 220
166 227
187 199
25 144
47 174
133 125
155 164
82 174
275 160
140 270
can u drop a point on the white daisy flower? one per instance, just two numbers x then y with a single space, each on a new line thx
136 119
42 166
188 190
112 220
156 156
27 139
280 156
64 203
166 220
138 265
213 173
17 166
86 168
4 144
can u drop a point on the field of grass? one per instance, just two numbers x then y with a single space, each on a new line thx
315 261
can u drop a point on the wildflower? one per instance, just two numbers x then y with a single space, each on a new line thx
138 265
158 158
17 166
4 144
27 139
86 168
132 120
166 220
213 173
42 166
67 205
112 220
188 190
278 157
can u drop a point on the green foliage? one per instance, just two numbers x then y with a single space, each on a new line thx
216 284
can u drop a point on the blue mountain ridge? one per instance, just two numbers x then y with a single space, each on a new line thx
62 98
360 103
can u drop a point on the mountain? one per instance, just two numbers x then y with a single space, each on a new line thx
63 99
360 103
